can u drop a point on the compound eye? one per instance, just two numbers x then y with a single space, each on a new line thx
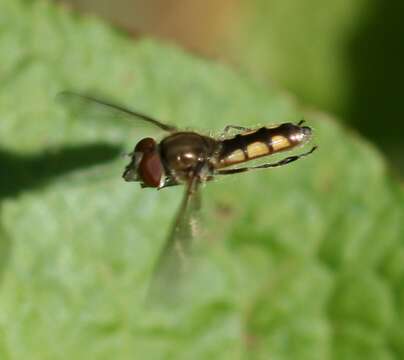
146 145
151 169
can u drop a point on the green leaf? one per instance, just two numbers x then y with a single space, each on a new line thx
303 262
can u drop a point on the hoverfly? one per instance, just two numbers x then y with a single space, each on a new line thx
191 159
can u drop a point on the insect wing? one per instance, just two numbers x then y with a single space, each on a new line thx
90 106
173 260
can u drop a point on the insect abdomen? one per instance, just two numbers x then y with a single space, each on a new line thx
262 142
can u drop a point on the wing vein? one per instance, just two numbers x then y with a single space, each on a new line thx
120 108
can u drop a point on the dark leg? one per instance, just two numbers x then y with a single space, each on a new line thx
282 162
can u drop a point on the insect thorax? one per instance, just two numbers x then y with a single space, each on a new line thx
186 153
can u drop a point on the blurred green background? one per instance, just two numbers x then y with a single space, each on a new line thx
306 262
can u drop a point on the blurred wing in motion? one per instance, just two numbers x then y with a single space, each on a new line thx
88 104
173 260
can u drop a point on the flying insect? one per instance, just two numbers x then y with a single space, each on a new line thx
191 159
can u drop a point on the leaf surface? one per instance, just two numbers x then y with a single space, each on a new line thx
303 262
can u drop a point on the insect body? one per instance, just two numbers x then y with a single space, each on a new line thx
176 159
181 156
185 157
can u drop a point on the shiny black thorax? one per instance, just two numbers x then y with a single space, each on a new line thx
184 154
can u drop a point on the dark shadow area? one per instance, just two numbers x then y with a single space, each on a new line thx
377 60
26 172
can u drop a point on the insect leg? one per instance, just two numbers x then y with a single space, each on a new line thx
282 162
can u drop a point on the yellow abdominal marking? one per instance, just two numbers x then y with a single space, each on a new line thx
257 149
235 157
279 142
